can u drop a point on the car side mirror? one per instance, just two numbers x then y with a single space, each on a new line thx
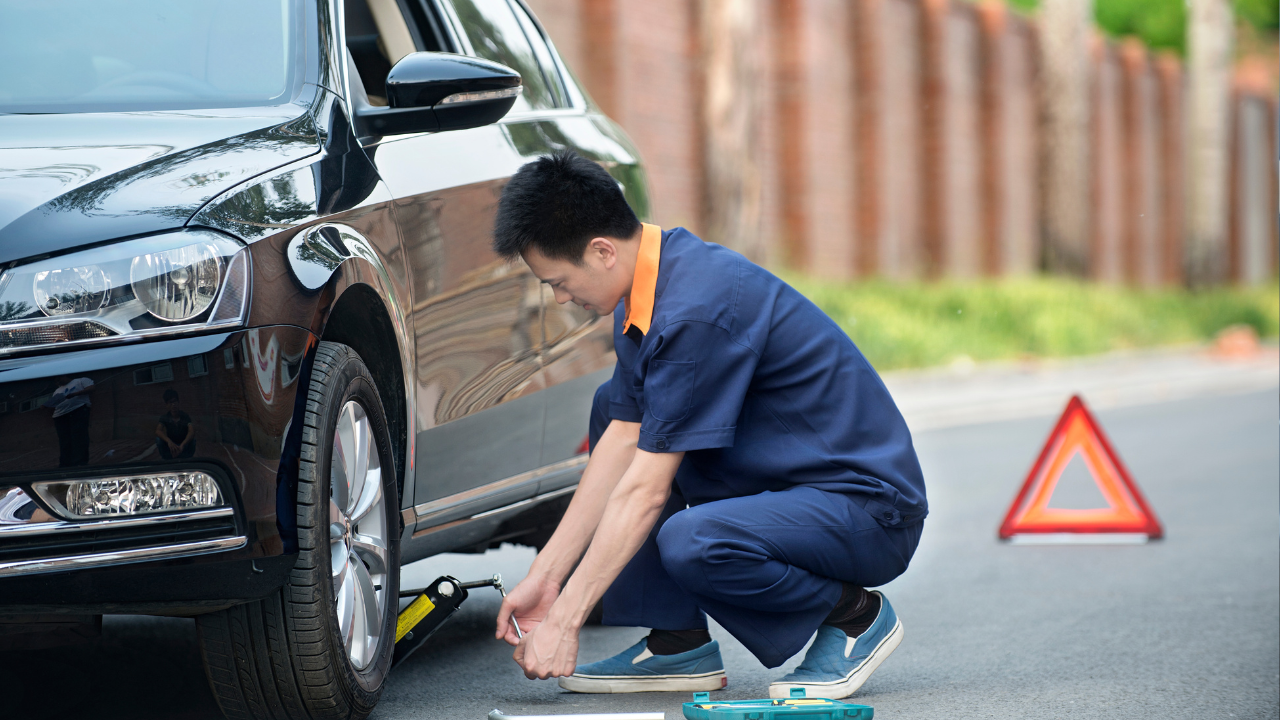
433 91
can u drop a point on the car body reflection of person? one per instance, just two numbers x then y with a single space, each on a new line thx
71 403
17 508
175 433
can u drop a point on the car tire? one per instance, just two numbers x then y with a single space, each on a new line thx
294 655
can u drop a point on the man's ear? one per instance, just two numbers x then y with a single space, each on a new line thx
604 250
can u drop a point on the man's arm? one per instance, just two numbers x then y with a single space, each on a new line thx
532 597
551 649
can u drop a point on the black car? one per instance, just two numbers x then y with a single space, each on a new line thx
255 350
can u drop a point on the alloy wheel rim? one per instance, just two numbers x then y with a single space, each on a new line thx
358 546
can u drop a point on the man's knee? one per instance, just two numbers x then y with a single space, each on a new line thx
685 544
706 552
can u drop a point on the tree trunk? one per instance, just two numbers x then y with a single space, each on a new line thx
732 104
1210 32
1065 110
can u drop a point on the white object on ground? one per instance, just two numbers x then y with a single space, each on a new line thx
1079 539
498 715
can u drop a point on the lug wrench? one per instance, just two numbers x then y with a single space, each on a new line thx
496 583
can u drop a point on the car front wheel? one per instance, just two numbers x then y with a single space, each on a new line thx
320 647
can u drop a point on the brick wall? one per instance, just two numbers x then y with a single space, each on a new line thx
1252 219
890 162
637 60
899 137
1140 131
1106 154
1007 117
959 252
815 135
1170 109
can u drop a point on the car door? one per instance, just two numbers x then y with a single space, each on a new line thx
577 352
578 347
477 320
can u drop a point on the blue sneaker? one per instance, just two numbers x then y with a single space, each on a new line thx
836 664
638 670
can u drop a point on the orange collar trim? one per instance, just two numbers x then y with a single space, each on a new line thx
644 284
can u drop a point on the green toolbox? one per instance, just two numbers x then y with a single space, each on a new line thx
796 707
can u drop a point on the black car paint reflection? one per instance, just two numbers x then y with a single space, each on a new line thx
378 243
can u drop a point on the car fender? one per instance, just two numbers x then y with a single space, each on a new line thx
332 259
329 259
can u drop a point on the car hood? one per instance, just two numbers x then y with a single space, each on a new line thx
77 179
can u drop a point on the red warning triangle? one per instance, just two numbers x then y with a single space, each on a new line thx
1077 433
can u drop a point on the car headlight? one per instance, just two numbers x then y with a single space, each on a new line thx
175 282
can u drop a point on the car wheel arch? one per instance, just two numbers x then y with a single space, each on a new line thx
353 300
360 319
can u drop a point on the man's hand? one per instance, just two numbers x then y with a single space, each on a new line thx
530 601
618 500
549 650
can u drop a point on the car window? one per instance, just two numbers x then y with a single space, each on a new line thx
543 53
425 20
63 56
495 34
380 32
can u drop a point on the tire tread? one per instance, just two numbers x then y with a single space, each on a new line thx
272 659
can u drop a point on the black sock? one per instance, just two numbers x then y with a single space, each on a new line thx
674 642
855 611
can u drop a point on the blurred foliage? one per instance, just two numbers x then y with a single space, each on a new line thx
1162 24
919 325
1262 14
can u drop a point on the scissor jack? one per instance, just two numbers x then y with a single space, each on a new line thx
432 606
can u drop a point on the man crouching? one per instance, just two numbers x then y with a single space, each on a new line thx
747 462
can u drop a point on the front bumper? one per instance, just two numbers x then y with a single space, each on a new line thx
240 390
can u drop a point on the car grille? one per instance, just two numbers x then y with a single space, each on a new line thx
62 546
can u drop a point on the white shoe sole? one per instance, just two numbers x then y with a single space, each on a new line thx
849 685
705 682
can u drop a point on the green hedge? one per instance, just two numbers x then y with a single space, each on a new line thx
1162 24
918 325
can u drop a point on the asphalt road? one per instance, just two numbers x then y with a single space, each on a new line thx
1187 627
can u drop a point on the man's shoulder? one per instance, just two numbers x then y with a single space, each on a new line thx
682 247
694 268
691 255
714 285
698 281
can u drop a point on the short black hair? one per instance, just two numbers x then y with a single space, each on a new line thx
170 395
557 204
